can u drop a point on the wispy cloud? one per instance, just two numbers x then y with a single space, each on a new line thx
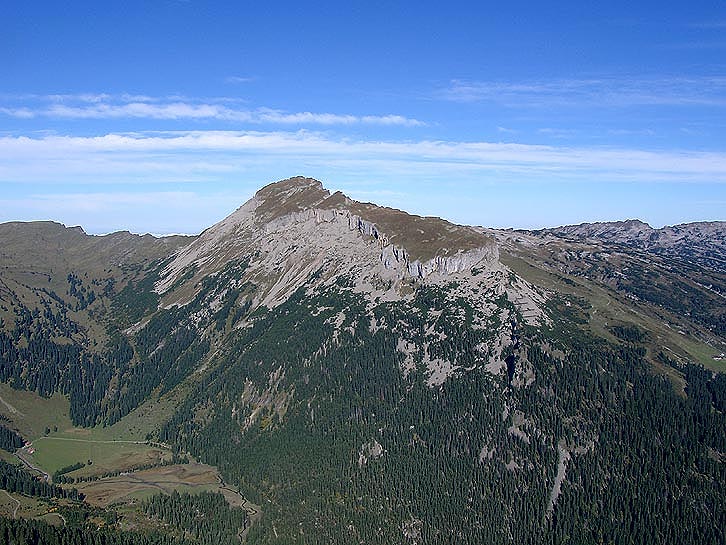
85 97
20 113
303 118
185 181
632 132
592 92
101 106
175 110
558 132
215 155
694 45
240 79
716 25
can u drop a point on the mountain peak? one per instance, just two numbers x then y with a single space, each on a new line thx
296 224
288 196
423 237
291 186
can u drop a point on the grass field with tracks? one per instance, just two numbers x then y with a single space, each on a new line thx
52 453
121 449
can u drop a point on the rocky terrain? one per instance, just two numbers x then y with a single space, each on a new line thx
703 243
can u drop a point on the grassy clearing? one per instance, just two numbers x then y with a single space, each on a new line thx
53 453
8 503
8 457
33 414
718 365
118 448
141 484
53 519
124 492
65 444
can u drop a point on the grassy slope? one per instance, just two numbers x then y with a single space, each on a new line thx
32 414
610 308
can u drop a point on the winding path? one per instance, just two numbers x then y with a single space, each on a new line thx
76 440
251 511
10 408
21 454
17 502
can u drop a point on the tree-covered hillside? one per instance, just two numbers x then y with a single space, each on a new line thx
588 446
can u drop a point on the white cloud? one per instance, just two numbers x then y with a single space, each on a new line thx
239 79
166 182
558 132
145 110
309 118
20 113
126 106
217 155
632 132
82 97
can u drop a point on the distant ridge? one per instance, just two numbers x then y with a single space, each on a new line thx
704 242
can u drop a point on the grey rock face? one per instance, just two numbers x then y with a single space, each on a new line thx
393 257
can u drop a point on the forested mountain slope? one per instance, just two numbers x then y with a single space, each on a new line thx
367 376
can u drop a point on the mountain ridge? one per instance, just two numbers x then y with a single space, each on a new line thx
698 242
402 244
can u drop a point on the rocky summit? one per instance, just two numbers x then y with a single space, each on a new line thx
297 224
320 370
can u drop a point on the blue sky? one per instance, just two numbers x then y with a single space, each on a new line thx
165 116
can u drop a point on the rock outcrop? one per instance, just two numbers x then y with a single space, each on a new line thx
393 257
